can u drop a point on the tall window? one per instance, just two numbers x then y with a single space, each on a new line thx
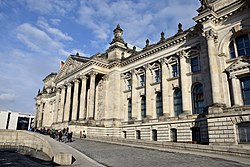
143 107
157 75
129 84
175 70
142 79
177 102
244 132
245 88
129 110
240 46
198 99
194 62
159 110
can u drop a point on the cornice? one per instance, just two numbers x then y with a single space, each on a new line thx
222 14
173 41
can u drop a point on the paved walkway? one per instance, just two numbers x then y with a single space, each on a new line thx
114 155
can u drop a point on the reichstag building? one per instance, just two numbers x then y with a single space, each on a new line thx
192 87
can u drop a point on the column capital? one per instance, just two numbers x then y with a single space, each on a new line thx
147 66
182 54
69 84
76 80
210 34
83 77
105 77
233 77
62 86
93 73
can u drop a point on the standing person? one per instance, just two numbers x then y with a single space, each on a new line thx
80 134
60 135
84 134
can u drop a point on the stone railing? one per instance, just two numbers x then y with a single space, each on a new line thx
55 150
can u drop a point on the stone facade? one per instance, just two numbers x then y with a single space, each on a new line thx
191 87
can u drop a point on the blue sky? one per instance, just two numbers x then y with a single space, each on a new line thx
35 35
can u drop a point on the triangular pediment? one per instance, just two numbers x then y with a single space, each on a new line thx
239 64
71 65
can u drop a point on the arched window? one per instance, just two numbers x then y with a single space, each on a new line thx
129 110
244 132
177 102
240 46
159 110
143 107
198 99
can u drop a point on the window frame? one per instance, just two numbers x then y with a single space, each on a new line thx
177 104
159 105
196 65
157 75
195 99
143 107
234 48
244 90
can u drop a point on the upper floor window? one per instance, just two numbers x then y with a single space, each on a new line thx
175 71
129 84
240 46
157 75
142 79
195 64
245 88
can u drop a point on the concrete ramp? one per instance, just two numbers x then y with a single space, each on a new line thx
59 153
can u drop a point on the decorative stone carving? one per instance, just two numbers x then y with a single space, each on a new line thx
211 34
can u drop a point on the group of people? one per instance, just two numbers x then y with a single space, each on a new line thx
60 135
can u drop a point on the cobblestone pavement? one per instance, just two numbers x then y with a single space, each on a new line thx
124 156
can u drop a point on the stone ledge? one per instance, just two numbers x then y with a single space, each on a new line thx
55 150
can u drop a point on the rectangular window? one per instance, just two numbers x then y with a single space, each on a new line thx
175 70
129 84
245 88
194 64
142 79
157 75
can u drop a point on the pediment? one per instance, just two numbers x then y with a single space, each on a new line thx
239 64
68 68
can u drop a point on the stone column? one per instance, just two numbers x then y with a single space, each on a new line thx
36 116
83 98
236 91
213 66
149 95
186 98
91 106
67 104
134 95
75 100
61 111
40 123
164 87
55 116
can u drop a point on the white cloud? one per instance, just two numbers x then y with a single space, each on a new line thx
55 22
7 97
42 23
39 41
55 7
139 19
